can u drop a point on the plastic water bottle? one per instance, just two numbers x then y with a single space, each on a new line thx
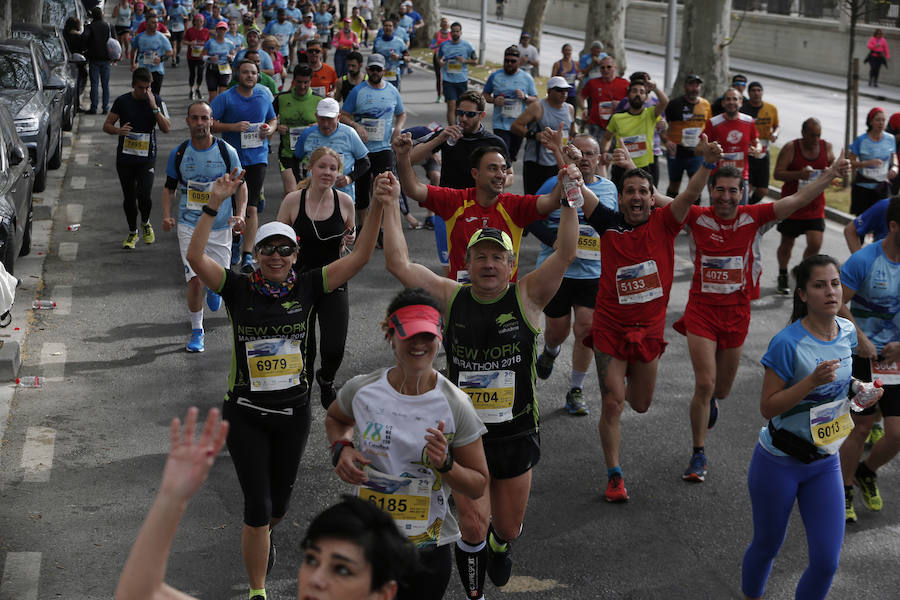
862 394
29 382
572 191
43 304
74 227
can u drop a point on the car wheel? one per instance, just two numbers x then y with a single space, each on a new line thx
40 175
26 237
55 161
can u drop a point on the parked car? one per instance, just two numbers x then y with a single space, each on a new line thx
34 97
63 63
55 12
16 175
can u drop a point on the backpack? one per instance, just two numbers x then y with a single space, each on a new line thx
113 47
179 156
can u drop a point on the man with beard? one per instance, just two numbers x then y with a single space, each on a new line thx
394 51
736 133
354 76
510 90
635 128
455 57
687 116
324 76
150 49
296 110
192 170
253 43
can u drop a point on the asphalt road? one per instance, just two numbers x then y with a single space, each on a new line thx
82 456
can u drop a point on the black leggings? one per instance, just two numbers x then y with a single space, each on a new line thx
137 189
195 72
380 162
156 86
333 315
430 581
437 72
255 176
266 449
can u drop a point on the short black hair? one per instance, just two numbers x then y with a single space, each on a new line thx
893 211
637 172
303 70
479 152
729 172
357 56
412 297
141 74
244 61
471 96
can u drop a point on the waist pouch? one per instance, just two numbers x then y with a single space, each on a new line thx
795 446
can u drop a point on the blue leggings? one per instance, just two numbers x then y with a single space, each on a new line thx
774 482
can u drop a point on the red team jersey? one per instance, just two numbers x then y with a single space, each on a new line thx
464 216
735 137
637 267
604 96
816 208
726 254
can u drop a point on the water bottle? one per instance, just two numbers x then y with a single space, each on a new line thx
29 382
74 227
572 191
43 304
862 394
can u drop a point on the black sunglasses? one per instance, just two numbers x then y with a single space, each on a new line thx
374 68
511 60
283 250
467 113
314 51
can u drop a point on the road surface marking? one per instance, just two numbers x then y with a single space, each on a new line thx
74 213
62 295
20 576
37 454
68 251
77 183
53 360
81 158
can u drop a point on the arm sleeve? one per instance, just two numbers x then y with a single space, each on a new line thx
543 232
171 183
360 168
780 356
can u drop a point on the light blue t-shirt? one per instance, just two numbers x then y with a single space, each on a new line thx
147 46
398 33
406 23
231 107
265 61
282 31
793 354
375 108
294 13
587 58
177 14
391 65
201 167
158 7
453 70
876 305
501 84
219 50
237 39
865 148
587 262
345 141
323 22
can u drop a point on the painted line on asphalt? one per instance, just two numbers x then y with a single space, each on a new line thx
78 183
62 295
68 251
21 576
81 158
37 454
53 360
85 138
74 213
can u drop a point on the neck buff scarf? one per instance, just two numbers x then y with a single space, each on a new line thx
273 289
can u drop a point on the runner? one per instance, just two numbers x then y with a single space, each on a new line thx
245 117
195 39
296 110
491 317
687 116
765 117
590 61
192 169
375 110
283 30
870 280
305 32
345 42
435 445
804 396
530 58
872 221
600 95
637 255
874 158
218 53
800 163
578 292
176 18
267 403
727 266
567 68
455 57
254 42
150 49
394 51
635 128
138 113
510 90
324 77
352 78
440 36
737 135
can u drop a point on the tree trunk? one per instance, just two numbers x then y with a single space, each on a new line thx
431 15
854 9
534 24
606 22
705 33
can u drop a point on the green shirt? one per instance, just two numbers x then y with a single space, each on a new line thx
636 132
295 111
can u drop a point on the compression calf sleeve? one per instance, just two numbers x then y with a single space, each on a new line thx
471 562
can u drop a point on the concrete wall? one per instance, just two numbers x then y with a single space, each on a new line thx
818 45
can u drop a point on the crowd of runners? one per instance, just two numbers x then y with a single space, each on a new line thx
414 434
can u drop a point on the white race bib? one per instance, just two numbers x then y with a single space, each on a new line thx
802 183
319 90
492 393
732 159
878 173
454 66
638 283
198 194
147 58
636 145
274 364
390 75
374 128
829 424
250 138
295 135
512 108
196 51
605 110
224 69
690 137
721 274
462 276
136 144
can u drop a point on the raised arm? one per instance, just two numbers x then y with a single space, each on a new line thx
785 207
337 273
711 152
207 269
413 188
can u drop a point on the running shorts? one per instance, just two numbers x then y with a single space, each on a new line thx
727 325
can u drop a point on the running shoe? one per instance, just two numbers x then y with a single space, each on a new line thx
272 553
848 506
213 300
499 564
196 343
247 263
783 288
130 241
696 471
326 389
713 412
869 486
262 202
544 365
575 403
875 435
429 223
615 489
147 229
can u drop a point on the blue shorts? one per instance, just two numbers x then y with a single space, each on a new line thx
678 166
452 91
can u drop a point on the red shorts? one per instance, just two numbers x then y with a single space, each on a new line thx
630 344
727 325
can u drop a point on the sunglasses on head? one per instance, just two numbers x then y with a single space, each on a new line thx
282 250
467 113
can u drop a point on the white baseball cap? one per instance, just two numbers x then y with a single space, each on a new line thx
557 82
328 107
272 229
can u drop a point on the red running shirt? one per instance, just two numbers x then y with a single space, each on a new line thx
816 208
604 96
735 136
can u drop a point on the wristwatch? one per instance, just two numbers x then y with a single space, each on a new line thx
155 111
448 463
336 448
